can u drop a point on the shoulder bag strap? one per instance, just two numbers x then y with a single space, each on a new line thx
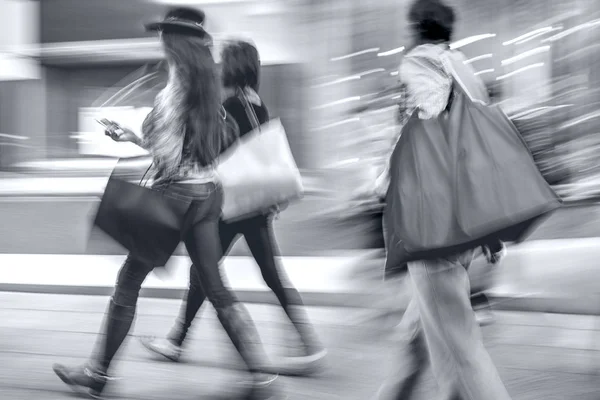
250 113
458 83
142 183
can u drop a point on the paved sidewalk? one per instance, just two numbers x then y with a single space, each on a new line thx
539 356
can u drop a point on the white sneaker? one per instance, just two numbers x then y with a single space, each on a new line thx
162 347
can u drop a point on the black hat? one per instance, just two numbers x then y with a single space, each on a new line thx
182 20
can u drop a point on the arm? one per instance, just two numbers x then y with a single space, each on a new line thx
120 134
425 84
428 84
139 142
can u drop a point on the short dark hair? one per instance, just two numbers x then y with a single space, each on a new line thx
240 65
433 20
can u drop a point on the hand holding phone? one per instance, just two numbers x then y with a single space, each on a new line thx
104 122
116 132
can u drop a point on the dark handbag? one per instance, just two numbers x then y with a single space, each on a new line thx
463 179
147 222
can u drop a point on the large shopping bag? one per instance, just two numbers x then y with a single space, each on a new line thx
145 221
259 171
463 179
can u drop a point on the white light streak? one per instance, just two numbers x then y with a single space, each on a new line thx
478 58
391 52
337 81
528 35
371 71
350 78
585 118
532 66
358 53
587 25
525 54
15 137
485 71
339 123
539 111
538 35
338 102
471 39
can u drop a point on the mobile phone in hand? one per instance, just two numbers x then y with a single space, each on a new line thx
104 122
114 127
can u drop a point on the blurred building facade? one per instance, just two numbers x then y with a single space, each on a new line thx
325 59
86 48
537 57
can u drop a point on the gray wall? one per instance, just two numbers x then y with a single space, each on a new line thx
22 113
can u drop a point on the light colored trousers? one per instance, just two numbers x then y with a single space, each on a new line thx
440 327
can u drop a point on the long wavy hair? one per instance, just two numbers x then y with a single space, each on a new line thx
187 124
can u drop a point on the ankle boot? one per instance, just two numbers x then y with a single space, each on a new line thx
86 379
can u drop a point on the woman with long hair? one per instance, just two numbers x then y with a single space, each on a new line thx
185 133
439 323
240 77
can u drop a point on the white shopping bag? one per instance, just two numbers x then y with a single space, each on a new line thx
259 172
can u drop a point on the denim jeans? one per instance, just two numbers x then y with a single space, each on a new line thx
440 327
201 237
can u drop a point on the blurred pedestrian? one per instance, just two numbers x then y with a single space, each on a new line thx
240 76
439 324
185 132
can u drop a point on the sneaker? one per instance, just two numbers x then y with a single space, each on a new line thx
305 365
162 347
84 380
265 387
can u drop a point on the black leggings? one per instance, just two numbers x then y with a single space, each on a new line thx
258 234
